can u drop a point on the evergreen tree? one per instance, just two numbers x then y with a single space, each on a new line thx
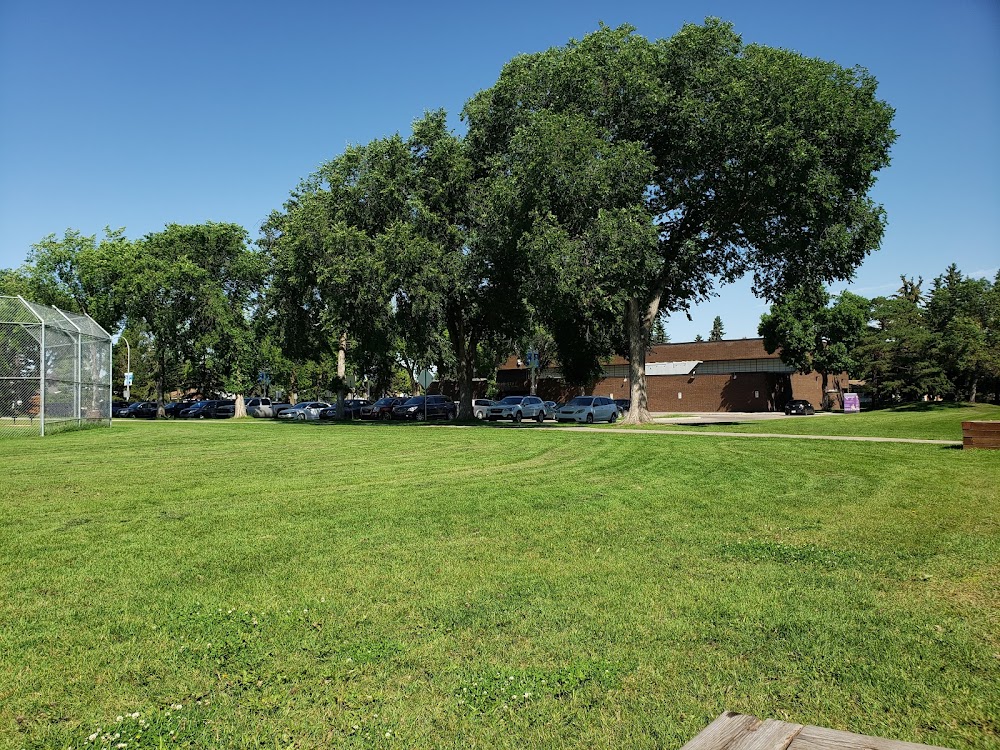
717 331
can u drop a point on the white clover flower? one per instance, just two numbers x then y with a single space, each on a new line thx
93 737
388 734
119 718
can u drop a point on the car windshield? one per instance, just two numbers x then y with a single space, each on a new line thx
581 401
197 404
512 400
384 402
415 401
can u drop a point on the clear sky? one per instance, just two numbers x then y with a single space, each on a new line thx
138 115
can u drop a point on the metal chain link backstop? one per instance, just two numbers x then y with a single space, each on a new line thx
55 369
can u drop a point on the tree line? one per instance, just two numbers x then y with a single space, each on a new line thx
943 343
599 186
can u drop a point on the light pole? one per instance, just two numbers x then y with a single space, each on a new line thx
128 366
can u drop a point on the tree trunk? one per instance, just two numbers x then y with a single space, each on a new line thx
465 357
161 413
639 320
973 388
341 373
534 381
240 409
825 398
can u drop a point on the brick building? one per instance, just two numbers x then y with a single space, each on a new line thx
736 375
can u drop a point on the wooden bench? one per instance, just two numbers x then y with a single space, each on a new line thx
733 731
981 434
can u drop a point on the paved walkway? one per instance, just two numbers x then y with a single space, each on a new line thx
684 433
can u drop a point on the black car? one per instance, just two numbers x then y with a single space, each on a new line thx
352 409
141 410
174 408
623 404
119 408
799 406
420 408
212 409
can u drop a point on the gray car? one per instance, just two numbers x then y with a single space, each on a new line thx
307 410
588 409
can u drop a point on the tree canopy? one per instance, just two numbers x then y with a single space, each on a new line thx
644 173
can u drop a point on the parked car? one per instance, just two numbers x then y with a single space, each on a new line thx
352 409
480 406
142 410
119 408
425 407
307 410
623 404
174 408
382 409
551 407
588 409
264 408
210 409
799 406
516 408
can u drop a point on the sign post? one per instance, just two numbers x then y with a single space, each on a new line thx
128 385
425 378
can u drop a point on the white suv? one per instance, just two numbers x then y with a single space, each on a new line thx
517 408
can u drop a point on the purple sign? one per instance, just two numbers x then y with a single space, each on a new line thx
852 403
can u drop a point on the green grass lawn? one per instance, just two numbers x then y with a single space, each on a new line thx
941 421
253 584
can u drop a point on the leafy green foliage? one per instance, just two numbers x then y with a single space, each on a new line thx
638 174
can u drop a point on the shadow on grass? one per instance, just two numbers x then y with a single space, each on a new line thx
411 423
712 424
926 406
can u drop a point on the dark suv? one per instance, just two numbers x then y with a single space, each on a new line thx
381 409
217 409
425 407
142 410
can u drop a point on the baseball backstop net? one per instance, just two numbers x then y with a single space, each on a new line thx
55 369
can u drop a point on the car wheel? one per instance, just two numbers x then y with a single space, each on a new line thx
613 418
590 419
301 417
451 416
540 417
480 415
420 416
386 415
517 416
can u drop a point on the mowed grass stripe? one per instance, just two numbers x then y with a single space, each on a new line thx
419 581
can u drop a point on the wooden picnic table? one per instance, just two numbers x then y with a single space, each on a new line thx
733 731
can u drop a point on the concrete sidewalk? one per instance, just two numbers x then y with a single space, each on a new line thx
685 433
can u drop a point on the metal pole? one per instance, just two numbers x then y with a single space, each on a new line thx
41 390
128 365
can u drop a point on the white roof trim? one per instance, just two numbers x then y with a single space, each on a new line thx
672 368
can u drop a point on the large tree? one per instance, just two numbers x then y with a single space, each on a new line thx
813 335
190 291
751 160
965 314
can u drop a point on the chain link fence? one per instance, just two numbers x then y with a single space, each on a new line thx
55 369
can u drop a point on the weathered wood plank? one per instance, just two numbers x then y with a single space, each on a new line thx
720 733
770 735
733 731
820 738
981 434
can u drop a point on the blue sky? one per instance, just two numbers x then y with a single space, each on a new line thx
138 115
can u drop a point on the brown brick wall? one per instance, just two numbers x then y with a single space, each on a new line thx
759 391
